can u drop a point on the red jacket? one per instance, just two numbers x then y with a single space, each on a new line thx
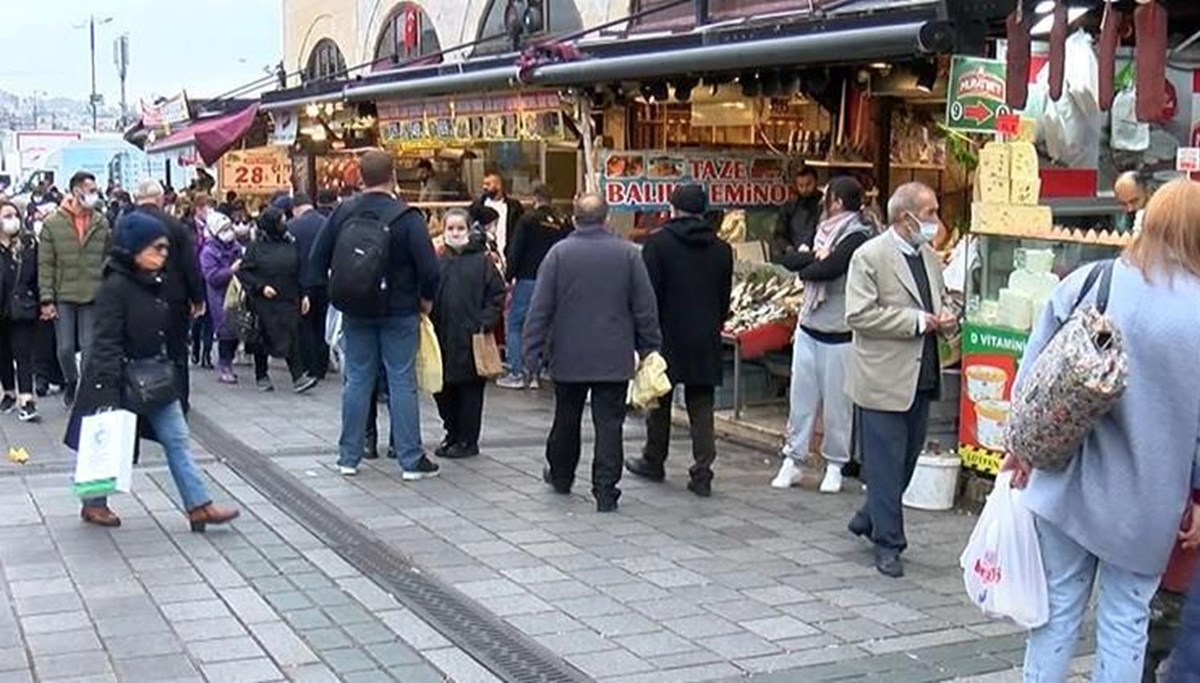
1182 566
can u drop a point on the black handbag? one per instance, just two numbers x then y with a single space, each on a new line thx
245 325
149 384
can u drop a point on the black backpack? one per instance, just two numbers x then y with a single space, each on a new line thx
358 278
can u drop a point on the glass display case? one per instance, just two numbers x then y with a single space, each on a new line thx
1007 290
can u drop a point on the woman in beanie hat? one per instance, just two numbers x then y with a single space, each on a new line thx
132 319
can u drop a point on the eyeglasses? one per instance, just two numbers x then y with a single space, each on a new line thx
161 247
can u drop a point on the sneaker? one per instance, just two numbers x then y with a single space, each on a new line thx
264 384
789 475
370 453
227 377
347 471
511 382
53 388
444 446
304 384
832 483
68 395
7 404
461 450
534 383
425 469
700 487
28 412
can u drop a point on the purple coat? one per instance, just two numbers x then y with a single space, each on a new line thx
216 257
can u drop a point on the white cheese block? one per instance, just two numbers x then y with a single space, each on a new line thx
1025 191
994 189
994 160
1010 219
1023 162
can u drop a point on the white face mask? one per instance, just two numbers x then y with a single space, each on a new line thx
926 230
457 240
10 226
226 235
90 200
241 229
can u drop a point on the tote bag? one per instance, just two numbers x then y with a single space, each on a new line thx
487 355
429 357
104 463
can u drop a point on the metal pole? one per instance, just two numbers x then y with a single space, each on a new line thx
92 38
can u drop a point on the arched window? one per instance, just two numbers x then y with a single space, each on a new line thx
559 17
406 34
325 61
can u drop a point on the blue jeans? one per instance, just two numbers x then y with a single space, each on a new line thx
171 431
368 342
522 295
1122 614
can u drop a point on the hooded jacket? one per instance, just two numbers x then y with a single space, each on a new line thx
535 233
18 279
273 261
70 268
691 270
469 300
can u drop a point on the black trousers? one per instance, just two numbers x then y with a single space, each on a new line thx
314 352
177 343
226 350
201 330
378 395
891 444
460 406
700 401
16 352
45 353
564 443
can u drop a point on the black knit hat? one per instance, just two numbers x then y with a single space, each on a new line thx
137 230
690 198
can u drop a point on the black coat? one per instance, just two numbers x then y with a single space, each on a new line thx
515 211
469 300
19 298
273 261
692 273
798 219
535 233
132 319
182 282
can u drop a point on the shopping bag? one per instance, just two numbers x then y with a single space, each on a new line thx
104 463
235 296
429 358
487 355
650 383
1002 563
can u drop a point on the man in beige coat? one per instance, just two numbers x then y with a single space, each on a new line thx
894 296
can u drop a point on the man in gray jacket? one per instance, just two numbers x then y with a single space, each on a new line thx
595 304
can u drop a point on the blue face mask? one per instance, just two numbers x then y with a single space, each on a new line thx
926 230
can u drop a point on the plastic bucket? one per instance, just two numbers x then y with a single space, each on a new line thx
934 483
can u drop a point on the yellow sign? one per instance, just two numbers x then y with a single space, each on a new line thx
261 170
491 118
980 459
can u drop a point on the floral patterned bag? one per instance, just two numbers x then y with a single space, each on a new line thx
1078 377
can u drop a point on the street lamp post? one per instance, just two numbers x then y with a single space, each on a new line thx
95 98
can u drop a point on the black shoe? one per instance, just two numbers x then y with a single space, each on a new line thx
371 453
852 470
425 469
701 487
860 526
444 446
28 412
206 363
643 468
606 503
7 404
41 388
304 384
461 450
264 384
562 489
888 563
68 394
391 453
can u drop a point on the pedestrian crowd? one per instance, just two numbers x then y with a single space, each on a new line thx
90 295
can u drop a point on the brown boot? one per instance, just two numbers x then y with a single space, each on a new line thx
100 516
210 514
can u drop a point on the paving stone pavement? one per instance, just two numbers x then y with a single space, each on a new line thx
753 583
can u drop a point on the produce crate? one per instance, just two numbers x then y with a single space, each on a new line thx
765 338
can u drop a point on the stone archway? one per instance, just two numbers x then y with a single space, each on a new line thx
407 34
325 61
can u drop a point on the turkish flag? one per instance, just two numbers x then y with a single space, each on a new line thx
412 29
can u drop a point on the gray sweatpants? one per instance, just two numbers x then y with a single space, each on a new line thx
819 381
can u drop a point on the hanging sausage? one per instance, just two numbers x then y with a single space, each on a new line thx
1150 58
1058 49
1110 38
1017 56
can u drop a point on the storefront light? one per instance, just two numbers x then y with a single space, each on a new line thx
1047 22
1044 7
312 110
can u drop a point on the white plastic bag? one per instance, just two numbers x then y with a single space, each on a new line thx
1127 133
1002 564
1070 128
104 463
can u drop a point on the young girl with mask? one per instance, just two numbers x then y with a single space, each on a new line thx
18 313
469 300
220 258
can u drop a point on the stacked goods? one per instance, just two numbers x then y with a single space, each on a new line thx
1008 188
762 295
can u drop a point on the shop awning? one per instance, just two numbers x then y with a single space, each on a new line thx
819 43
212 137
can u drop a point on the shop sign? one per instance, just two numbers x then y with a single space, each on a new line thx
976 94
167 113
644 180
261 170
496 118
287 124
989 368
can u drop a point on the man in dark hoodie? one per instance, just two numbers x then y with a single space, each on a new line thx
304 227
535 233
798 217
691 270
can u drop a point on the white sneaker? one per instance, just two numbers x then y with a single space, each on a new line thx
789 474
347 471
832 483
511 382
534 384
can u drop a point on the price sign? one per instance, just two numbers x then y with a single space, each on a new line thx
1187 159
261 170
1008 124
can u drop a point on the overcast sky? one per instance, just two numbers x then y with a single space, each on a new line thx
205 46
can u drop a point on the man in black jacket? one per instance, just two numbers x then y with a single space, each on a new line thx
183 287
691 270
304 228
496 198
798 217
533 236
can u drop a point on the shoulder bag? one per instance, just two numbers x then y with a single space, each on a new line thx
148 384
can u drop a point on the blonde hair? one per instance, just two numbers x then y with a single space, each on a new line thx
1170 237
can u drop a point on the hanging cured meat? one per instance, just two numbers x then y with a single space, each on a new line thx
1150 56
1058 49
1110 38
1017 58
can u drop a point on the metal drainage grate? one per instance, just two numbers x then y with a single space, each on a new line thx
506 652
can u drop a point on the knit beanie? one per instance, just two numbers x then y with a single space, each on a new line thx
137 230
690 198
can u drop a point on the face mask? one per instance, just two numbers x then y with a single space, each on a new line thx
241 230
457 240
10 226
90 200
37 227
226 235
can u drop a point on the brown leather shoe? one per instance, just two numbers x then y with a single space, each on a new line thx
210 514
100 516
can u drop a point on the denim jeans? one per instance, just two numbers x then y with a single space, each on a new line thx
522 295
74 329
1122 613
369 342
171 431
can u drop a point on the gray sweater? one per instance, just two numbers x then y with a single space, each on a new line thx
593 309
1124 496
